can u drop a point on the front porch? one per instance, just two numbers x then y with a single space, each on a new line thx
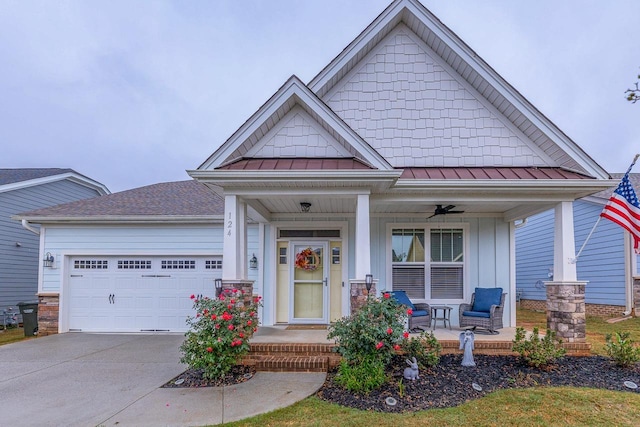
279 349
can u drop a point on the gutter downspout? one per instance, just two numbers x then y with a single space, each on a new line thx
28 226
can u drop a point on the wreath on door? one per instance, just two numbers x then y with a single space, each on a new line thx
307 260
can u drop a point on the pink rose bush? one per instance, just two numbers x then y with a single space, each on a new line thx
219 332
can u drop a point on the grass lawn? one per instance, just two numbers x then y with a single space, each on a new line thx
11 335
597 328
562 406
543 406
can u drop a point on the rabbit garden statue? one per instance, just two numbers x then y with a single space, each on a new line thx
411 373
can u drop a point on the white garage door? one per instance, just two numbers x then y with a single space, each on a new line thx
137 294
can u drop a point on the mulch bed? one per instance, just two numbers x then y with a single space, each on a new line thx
449 384
193 378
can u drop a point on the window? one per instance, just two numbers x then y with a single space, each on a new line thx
213 264
282 253
408 261
180 264
134 264
91 264
434 271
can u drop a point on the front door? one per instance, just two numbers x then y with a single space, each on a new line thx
309 285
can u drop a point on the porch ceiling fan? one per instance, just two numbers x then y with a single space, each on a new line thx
440 210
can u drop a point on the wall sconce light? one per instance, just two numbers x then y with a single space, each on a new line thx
48 260
305 206
218 285
253 262
368 281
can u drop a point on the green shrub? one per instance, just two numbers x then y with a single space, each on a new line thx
621 349
536 351
425 348
376 330
362 377
219 332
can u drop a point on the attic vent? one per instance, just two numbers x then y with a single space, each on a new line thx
91 264
310 233
178 264
134 264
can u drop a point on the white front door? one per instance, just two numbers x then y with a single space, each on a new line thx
309 292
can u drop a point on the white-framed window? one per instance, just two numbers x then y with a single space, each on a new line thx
91 264
429 262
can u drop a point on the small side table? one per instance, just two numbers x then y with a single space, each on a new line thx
446 315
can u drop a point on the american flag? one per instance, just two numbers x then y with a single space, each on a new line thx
623 209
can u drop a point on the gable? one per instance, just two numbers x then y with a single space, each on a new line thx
298 135
416 111
468 69
294 115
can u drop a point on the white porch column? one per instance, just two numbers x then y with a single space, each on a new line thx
565 294
234 254
358 290
564 246
363 239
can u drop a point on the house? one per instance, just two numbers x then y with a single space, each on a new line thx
27 189
608 262
407 157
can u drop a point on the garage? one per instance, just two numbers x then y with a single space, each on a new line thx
137 294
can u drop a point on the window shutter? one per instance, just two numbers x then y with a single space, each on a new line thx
409 278
446 282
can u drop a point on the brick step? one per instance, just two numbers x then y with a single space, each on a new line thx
288 363
296 349
291 357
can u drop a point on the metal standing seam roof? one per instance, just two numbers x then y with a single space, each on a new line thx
296 163
498 173
454 173
181 198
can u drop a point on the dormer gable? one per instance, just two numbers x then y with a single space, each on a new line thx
294 122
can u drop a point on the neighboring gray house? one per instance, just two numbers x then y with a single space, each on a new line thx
28 189
607 262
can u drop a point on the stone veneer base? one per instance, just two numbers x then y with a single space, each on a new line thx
48 313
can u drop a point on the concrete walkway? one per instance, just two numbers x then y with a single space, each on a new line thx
85 379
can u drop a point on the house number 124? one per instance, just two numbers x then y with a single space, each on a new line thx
229 225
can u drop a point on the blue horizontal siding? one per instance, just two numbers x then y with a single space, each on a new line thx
601 263
19 263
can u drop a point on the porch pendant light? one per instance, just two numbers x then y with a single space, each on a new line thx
305 206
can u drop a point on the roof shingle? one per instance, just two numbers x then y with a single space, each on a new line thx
181 198
11 176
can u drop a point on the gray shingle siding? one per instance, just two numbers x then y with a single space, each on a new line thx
19 264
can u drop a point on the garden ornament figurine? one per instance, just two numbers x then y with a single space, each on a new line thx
411 373
466 343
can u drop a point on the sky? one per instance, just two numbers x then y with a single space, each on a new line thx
131 93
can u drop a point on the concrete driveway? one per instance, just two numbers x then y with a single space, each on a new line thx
82 379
